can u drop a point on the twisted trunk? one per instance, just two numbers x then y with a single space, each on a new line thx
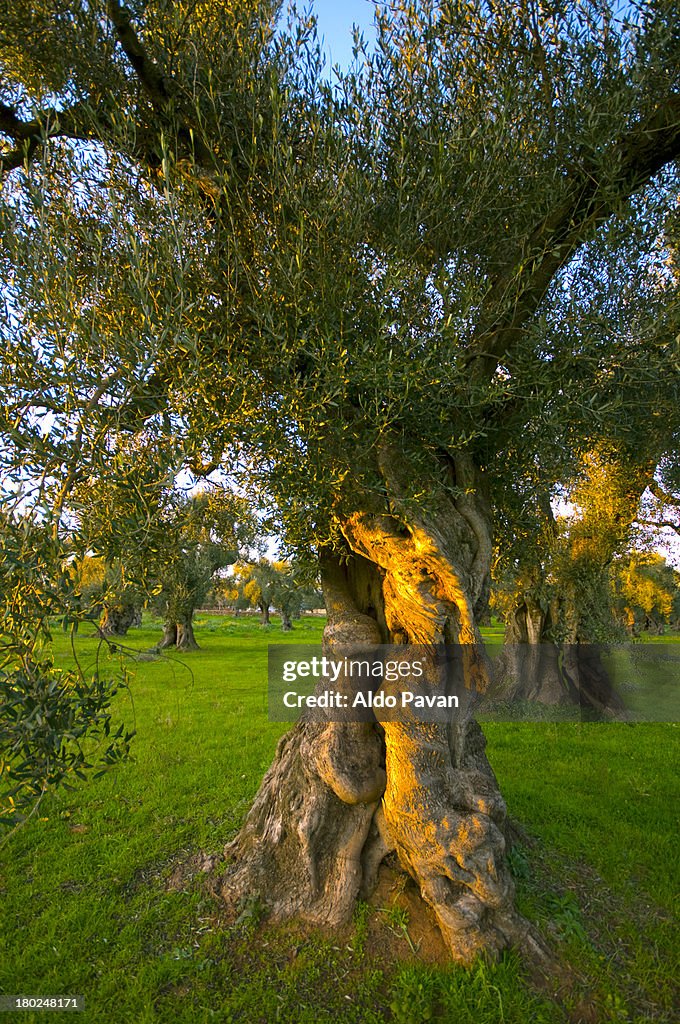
169 635
180 634
186 641
116 620
528 667
341 795
569 673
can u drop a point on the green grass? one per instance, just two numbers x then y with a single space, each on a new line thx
93 903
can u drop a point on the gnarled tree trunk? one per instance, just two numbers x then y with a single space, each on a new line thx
264 614
534 667
186 641
169 635
179 634
341 795
528 667
117 619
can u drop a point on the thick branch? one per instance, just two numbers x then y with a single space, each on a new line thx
662 495
28 135
161 89
149 74
660 524
667 502
639 155
84 123
17 157
12 125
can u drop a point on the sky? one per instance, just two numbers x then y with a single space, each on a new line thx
335 19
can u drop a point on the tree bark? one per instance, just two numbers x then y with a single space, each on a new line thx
186 641
116 620
179 634
169 636
264 614
534 667
341 795
286 624
527 668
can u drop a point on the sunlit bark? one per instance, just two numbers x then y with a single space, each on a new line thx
340 796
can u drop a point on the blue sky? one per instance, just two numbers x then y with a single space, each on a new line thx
335 19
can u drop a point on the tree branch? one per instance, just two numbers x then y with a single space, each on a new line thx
70 123
151 78
661 524
161 89
14 158
639 155
86 124
12 125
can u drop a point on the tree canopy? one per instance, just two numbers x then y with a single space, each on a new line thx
202 230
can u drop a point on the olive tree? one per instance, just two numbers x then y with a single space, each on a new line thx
201 534
264 584
361 294
557 594
105 592
647 592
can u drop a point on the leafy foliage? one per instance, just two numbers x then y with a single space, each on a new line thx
106 592
647 591
563 580
264 584
55 724
300 268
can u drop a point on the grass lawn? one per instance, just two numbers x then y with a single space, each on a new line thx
98 901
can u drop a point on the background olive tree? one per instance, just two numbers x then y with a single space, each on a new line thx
280 584
201 533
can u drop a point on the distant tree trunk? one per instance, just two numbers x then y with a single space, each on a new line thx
341 795
169 635
179 634
528 667
286 623
264 613
116 620
567 671
186 641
